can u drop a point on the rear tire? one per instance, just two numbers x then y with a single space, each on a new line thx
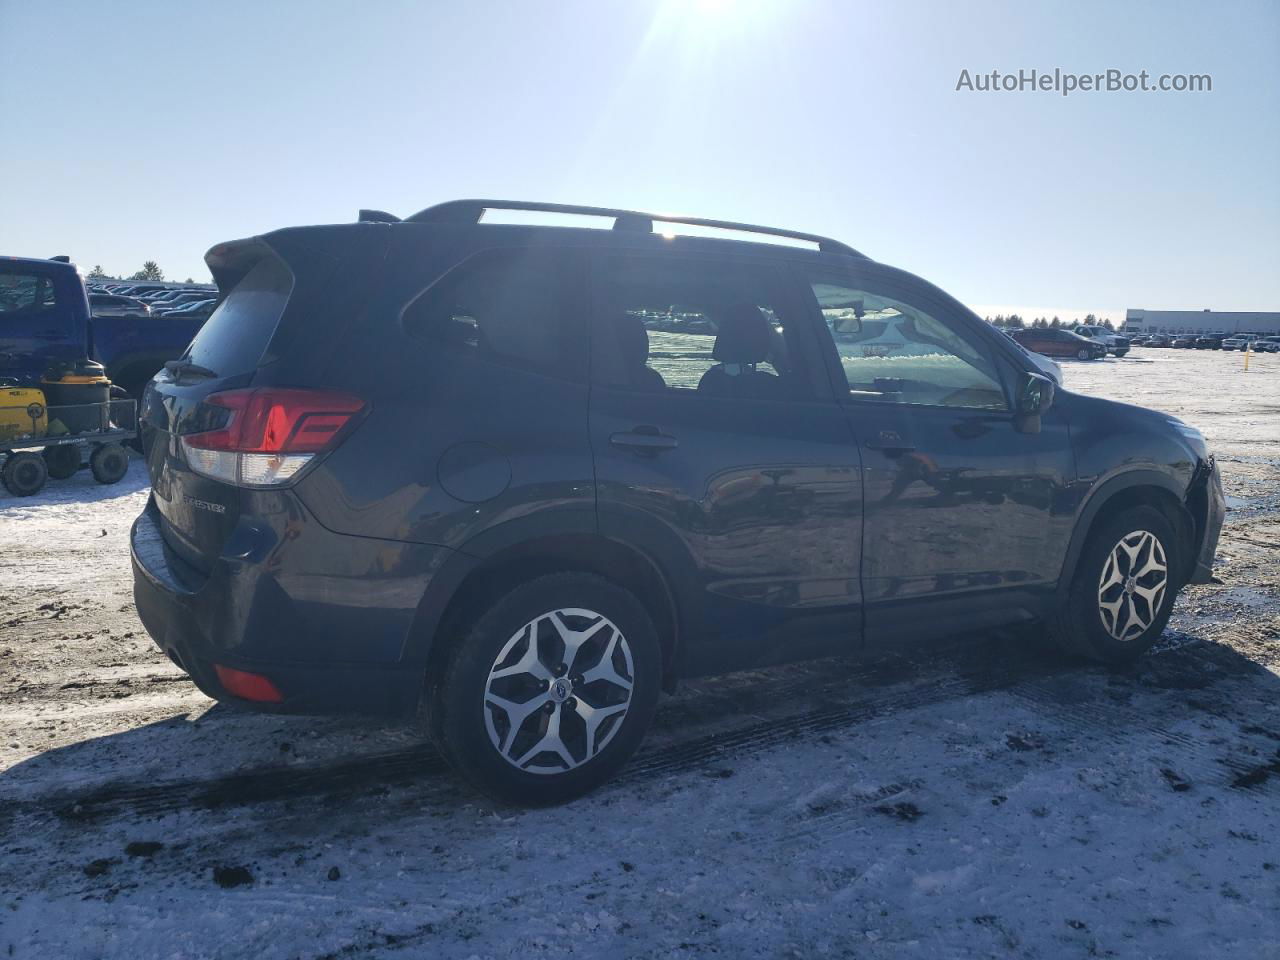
1123 588
109 463
24 473
63 460
551 690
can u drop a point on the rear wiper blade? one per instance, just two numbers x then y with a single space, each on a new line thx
178 367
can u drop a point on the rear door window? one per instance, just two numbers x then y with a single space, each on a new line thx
703 328
235 336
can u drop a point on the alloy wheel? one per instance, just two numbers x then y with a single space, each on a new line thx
558 691
1132 585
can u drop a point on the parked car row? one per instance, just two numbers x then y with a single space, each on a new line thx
1211 341
1252 341
151 299
1086 342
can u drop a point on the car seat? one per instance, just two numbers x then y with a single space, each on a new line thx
633 346
743 340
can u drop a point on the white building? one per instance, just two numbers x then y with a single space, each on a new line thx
1200 321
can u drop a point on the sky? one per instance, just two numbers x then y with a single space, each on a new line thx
141 130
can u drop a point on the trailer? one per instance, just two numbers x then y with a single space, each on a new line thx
38 441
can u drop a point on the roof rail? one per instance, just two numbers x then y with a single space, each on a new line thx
471 211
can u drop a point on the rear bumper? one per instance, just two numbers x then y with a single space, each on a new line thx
330 643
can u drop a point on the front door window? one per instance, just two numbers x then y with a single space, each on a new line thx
896 352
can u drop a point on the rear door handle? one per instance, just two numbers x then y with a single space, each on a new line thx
644 440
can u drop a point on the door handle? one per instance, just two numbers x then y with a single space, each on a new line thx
647 440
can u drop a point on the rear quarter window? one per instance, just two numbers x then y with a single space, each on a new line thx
236 335
511 308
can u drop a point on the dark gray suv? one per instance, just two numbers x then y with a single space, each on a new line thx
529 476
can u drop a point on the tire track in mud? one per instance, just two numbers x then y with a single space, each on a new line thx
1027 675
422 762
828 817
1198 761
57 692
771 733
595 884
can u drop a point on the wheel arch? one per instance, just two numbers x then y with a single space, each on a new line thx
475 582
1130 489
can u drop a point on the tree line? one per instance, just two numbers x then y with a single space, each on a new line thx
150 271
1015 322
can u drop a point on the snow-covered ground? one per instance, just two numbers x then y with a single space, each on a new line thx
983 799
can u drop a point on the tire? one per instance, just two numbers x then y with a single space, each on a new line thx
63 460
109 462
1121 622
24 473
496 749
1084 354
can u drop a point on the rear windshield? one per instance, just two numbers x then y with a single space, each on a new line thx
236 334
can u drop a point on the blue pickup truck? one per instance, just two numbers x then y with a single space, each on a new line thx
45 318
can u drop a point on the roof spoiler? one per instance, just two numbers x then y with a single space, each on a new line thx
61 258
377 216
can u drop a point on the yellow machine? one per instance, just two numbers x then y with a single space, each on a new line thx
23 414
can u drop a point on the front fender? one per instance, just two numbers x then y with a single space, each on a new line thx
1099 495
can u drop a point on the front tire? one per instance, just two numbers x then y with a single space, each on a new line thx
1083 354
551 690
1123 589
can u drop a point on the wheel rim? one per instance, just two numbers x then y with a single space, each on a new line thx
559 691
1083 354
1132 585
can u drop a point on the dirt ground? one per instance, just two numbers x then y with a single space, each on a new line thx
984 799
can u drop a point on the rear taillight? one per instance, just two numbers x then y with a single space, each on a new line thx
270 434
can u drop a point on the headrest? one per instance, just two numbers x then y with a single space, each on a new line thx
633 340
744 335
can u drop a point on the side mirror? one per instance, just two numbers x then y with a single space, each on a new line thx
1035 397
